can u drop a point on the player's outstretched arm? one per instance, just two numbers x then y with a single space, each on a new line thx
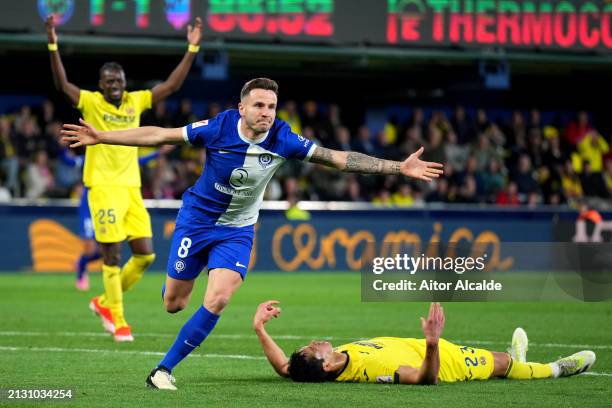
432 329
354 162
57 68
276 356
87 135
176 78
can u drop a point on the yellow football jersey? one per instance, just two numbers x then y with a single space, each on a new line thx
109 165
377 360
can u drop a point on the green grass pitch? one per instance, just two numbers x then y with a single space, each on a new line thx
49 339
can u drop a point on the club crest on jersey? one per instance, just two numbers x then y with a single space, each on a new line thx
200 123
238 178
265 160
179 266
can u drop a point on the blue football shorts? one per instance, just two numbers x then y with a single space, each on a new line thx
195 247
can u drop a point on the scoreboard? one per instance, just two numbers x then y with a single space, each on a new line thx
563 25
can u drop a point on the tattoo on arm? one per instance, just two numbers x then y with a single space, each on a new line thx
355 162
361 163
323 156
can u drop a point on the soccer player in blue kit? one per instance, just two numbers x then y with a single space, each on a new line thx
215 225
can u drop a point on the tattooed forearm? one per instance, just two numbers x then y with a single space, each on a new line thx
354 162
323 156
361 163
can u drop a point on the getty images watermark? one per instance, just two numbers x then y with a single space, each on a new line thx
497 271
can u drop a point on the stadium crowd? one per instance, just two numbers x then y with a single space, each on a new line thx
520 161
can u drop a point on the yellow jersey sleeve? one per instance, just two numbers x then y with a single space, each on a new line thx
86 99
143 100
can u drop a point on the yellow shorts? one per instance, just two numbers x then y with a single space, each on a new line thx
462 363
118 213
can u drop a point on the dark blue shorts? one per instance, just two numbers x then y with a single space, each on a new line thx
195 247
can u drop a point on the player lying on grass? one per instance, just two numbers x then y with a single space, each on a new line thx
409 361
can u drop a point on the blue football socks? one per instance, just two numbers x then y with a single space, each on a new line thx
84 260
191 336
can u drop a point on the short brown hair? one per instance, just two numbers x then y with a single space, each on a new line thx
259 83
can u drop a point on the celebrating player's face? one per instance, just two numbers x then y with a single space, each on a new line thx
258 110
112 84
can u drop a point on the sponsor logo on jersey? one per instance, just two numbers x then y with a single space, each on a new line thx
179 266
228 190
199 123
238 178
265 160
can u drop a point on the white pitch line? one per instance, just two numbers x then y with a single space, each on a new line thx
158 353
140 353
294 337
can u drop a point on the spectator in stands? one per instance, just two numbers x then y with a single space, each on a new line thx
525 177
52 139
483 152
384 148
353 189
468 193
535 120
416 124
184 114
440 193
554 157
434 151
342 140
39 176
493 179
364 143
5 194
454 153
382 199
535 147
482 123
577 129
593 184
572 187
509 196
47 114
410 141
9 162
290 115
607 175
592 149
403 196
28 140
462 126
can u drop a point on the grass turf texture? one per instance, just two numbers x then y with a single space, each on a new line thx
49 339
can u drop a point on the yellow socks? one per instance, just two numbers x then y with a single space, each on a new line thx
528 371
131 273
133 270
113 295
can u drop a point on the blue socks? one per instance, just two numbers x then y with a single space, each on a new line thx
191 336
84 260
163 291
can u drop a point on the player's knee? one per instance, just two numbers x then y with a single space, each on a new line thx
145 260
217 302
174 304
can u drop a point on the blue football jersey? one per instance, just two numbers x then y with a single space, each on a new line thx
237 170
